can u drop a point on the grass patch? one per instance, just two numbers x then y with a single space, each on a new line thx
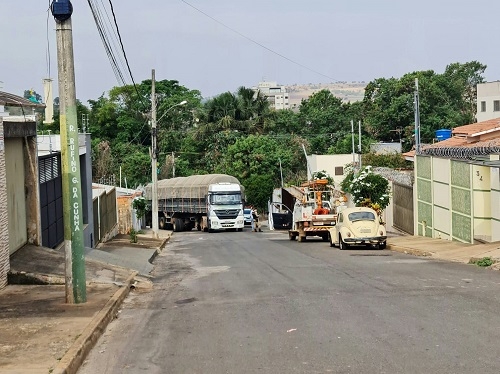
483 262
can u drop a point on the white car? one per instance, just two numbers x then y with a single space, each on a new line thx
358 226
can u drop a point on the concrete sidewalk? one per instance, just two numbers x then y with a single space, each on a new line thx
443 249
41 333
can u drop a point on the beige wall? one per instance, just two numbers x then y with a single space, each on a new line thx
328 163
481 186
16 199
441 197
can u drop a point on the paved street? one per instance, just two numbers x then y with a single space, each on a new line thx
256 302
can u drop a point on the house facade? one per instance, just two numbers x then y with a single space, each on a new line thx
457 185
19 193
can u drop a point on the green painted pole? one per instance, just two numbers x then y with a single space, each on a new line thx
76 291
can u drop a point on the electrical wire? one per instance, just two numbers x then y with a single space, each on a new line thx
259 44
104 38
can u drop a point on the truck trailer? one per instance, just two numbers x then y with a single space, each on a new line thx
210 202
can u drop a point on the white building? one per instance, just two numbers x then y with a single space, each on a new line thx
275 94
333 164
488 101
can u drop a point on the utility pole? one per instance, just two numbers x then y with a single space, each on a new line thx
173 164
417 118
76 292
352 137
359 146
154 154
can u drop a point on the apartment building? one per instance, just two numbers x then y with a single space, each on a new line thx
275 94
488 101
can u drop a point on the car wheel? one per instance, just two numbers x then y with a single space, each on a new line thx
342 244
330 240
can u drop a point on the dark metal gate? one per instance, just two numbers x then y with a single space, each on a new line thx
51 204
402 201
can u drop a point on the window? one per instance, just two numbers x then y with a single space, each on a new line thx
496 106
483 106
339 170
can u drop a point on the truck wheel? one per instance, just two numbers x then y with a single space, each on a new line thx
161 223
178 225
342 244
291 236
325 237
302 238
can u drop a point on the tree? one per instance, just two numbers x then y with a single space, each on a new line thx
323 118
367 188
254 160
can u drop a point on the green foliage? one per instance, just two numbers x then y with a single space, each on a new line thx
322 174
239 134
483 262
343 145
367 188
133 236
446 100
258 188
388 160
140 206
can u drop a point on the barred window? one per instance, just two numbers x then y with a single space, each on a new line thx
48 168
496 106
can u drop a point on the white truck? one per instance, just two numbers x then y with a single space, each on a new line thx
208 202
314 211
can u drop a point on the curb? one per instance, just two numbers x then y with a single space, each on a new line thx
74 357
409 251
159 249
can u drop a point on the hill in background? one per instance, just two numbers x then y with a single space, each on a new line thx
348 92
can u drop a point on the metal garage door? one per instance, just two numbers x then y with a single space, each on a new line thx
51 204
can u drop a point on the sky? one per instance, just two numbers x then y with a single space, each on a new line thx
216 46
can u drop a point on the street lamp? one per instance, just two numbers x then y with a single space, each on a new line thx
154 156
183 102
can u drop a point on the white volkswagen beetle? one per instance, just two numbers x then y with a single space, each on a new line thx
358 226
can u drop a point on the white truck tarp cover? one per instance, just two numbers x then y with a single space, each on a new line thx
193 187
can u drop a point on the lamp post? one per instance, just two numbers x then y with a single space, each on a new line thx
154 157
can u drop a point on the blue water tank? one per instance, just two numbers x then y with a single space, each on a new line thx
443 134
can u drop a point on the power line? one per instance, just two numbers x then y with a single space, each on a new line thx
107 47
259 44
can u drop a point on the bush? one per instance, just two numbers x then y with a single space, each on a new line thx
367 189
133 236
140 206
484 262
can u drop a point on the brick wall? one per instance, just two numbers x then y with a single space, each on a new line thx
4 233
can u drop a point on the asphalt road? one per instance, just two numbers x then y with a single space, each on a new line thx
258 303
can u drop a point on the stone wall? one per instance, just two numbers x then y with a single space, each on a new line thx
4 233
